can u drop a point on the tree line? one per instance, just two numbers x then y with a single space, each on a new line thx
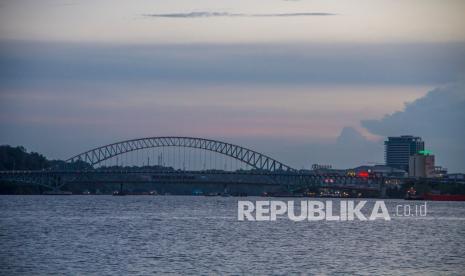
18 158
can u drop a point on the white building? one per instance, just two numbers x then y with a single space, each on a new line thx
421 165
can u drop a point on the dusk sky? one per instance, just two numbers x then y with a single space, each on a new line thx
302 81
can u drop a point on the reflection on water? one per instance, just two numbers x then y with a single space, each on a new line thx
197 235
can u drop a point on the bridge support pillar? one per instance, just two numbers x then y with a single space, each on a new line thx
382 188
55 182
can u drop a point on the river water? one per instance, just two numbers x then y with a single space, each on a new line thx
105 235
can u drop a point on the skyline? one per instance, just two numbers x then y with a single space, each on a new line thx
326 85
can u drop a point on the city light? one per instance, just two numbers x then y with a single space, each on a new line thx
363 174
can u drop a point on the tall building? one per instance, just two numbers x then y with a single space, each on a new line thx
399 149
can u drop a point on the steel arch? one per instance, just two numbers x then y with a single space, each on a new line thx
250 157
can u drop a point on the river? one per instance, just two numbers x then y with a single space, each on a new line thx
109 235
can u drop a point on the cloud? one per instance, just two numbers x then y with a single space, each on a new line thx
227 14
351 136
234 63
438 118
350 150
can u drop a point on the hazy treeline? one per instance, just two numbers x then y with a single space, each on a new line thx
18 158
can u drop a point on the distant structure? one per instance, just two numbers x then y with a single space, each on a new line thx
440 171
380 170
399 149
321 167
422 165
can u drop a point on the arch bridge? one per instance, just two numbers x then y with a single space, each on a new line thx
250 157
266 170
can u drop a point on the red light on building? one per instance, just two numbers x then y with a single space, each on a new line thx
363 174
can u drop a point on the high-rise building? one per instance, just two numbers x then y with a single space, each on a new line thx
399 149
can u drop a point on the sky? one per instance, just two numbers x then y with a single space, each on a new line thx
302 81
